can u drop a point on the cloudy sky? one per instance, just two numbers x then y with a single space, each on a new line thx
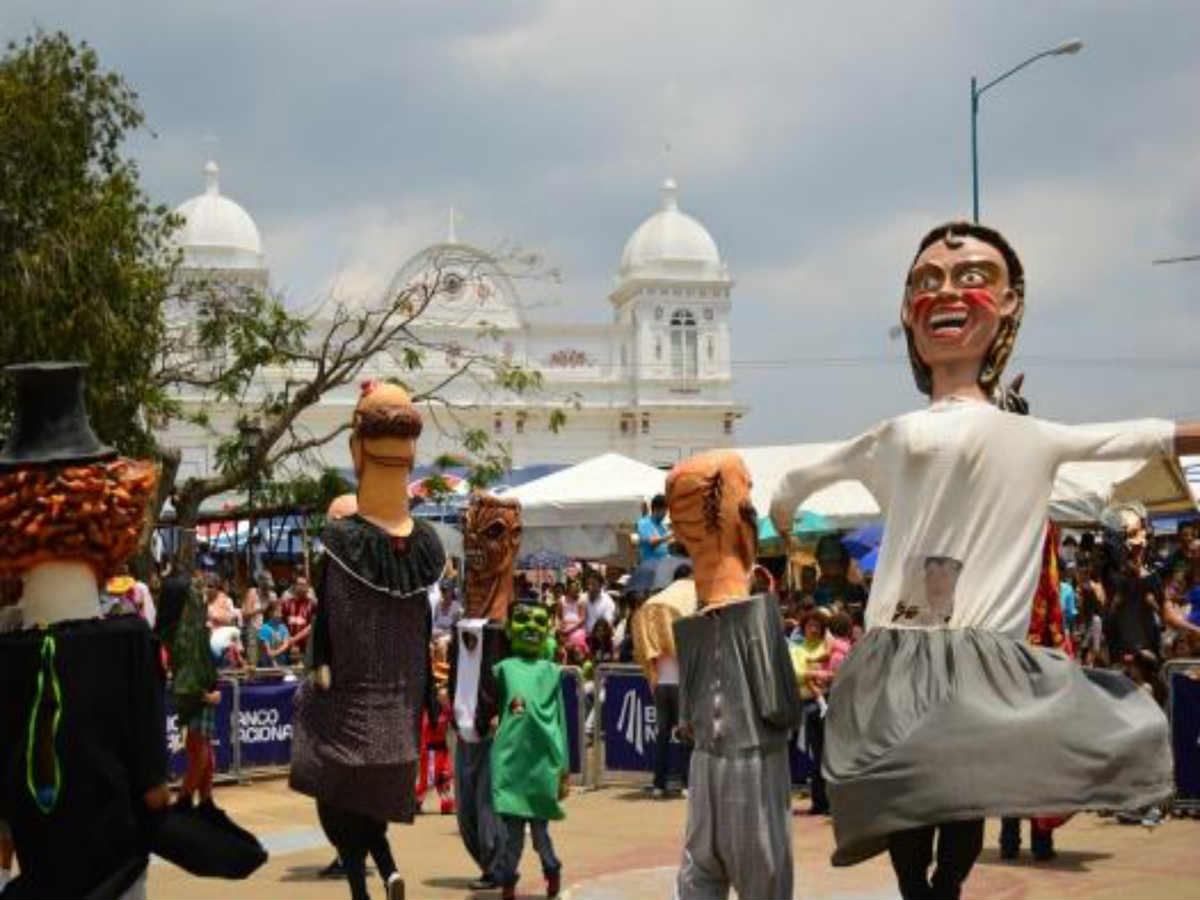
816 143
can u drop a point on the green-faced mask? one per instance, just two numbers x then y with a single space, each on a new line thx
528 625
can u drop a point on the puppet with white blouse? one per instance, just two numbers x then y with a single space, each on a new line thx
936 713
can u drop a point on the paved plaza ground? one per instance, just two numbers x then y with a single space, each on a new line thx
616 842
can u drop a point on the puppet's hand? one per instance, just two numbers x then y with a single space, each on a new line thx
684 733
1011 399
323 678
212 698
564 785
158 797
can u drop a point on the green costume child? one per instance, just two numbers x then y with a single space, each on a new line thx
529 753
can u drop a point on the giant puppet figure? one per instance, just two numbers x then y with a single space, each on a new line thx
738 695
82 734
358 721
936 713
491 538
83 756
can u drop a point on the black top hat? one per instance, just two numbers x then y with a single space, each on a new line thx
50 426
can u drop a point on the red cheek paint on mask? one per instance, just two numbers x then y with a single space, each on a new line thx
920 304
971 296
980 297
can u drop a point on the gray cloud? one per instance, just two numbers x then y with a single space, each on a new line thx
817 144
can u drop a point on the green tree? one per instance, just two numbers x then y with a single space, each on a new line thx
85 258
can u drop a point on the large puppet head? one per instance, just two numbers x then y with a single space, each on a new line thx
709 500
386 426
63 495
528 628
964 297
491 538
1125 535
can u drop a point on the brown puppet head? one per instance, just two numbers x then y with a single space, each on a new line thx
964 297
383 445
708 497
386 426
64 496
491 538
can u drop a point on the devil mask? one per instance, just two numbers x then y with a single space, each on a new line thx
491 538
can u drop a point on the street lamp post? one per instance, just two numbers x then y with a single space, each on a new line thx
1064 49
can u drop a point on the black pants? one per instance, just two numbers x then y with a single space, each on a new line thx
958 846
355 835
666 717
1041 840
814 746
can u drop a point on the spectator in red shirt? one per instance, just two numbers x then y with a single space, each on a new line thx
299 607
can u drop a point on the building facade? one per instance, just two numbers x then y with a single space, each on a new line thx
654 383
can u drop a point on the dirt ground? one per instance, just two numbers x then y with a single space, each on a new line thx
617 842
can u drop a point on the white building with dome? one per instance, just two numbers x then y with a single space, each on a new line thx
218 237
654 383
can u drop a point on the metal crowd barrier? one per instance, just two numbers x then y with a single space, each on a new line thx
624 725
231 764
235 765
1183 713
576 718
626 729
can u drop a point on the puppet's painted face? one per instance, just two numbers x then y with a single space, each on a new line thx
386 426
1135 538
528 628
958 294
491 538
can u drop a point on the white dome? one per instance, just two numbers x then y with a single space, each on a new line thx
671 244
217 233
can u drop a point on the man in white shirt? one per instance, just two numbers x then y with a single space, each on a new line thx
600 604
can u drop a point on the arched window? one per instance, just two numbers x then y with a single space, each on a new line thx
683 345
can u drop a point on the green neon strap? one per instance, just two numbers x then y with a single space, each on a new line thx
48 651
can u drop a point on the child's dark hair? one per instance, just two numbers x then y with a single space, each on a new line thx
841 625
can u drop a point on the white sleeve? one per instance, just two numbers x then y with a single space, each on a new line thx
1134 439
853 460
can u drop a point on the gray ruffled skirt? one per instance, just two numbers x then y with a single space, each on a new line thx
931 726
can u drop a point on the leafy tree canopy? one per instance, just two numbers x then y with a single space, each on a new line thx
85 259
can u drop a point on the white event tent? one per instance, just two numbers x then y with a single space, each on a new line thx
581 511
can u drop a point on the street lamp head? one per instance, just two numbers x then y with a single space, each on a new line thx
1068 47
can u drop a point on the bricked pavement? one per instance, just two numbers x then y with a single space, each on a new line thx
617 843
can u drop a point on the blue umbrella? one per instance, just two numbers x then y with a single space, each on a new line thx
861 542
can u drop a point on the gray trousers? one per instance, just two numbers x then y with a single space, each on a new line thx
739 827
480 828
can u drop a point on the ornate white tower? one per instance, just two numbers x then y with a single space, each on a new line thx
672 294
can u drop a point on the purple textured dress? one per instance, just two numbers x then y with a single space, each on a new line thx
356 745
